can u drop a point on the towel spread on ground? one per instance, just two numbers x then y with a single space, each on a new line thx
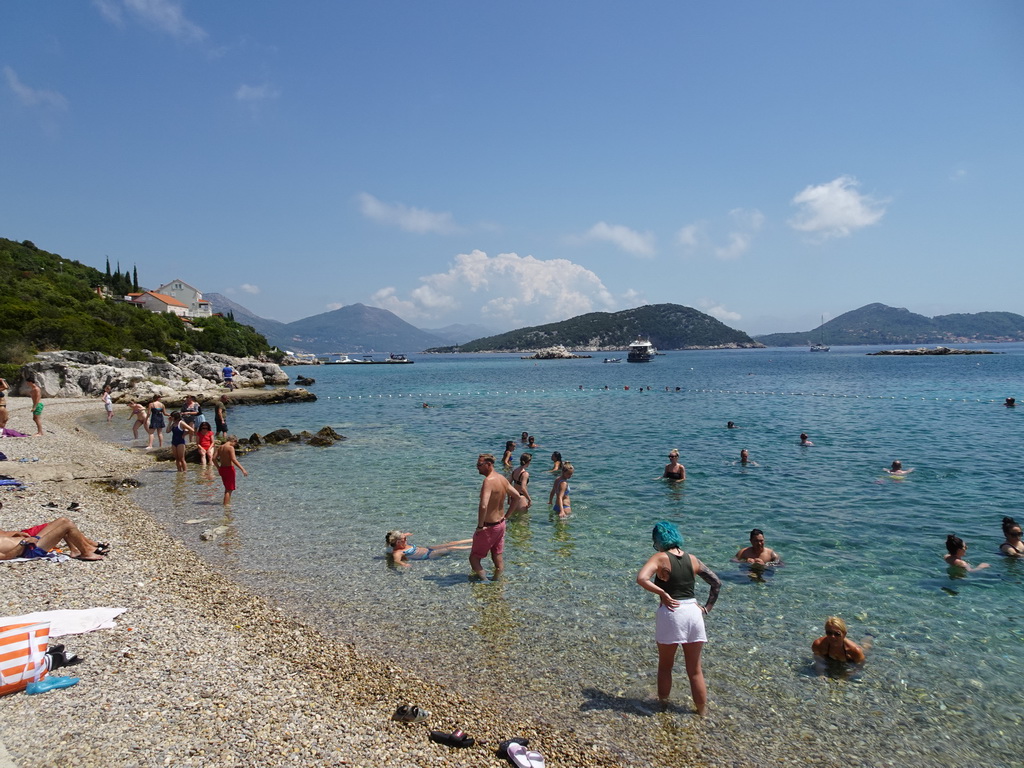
69 622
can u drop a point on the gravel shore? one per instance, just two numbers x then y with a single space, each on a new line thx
201 672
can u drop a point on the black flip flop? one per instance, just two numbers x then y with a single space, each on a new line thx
456 738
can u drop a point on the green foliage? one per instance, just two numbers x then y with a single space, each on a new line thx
668 326
49 302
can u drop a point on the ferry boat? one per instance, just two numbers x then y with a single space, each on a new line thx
641 351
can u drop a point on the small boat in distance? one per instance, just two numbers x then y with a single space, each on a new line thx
613 359
820 346
641 351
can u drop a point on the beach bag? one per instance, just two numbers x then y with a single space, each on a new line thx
22 655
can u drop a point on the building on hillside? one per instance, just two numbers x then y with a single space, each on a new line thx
191 297
158 302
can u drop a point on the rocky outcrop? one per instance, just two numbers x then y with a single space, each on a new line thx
325 437
932 351
85 374
557 352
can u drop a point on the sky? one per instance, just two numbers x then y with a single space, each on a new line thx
513 164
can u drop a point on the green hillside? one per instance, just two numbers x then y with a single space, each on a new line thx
49 302
881 324
668 326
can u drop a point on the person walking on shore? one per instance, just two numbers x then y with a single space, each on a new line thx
489 536
227 461
680 620
37 403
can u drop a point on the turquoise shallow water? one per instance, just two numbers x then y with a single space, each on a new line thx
567 629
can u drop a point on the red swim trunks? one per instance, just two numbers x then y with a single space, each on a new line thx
35 530
489 539
227 476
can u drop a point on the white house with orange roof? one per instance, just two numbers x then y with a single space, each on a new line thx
158 302
186 294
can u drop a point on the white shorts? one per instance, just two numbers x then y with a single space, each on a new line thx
685 624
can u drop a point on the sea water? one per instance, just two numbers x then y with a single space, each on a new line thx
566 632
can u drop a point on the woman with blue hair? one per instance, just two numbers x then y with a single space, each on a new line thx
680 620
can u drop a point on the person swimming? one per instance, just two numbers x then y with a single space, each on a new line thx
1013 546
834 647
402 551
674 470
897 469
956 549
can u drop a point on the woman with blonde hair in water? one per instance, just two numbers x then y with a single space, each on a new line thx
670 574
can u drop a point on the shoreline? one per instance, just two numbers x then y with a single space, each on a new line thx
201 671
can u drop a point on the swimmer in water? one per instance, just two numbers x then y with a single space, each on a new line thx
674 470
957 549
1011 402
556 462
402 551
804 440
757 552
506 458
531 443
525 437
898 470
835 646
559 496
730 425
1013 546
745 459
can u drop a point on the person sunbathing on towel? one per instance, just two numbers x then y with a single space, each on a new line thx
49 535
402 551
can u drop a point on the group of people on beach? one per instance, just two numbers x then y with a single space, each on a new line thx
189 425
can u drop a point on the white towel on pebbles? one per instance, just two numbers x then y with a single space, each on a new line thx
69 622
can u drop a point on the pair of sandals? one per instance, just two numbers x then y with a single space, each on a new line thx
520 757
57 657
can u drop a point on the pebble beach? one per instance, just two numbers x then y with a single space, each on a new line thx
201 672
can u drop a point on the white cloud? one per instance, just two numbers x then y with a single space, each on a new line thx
718 311
256 93
689 236
32 97
416 220
249 288
507 289
162 15
334 305
628 240
835 209
745 225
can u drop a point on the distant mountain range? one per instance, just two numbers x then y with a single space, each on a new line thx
355 328
881 324
667 326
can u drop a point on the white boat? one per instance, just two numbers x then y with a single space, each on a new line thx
613 359
641 351
820 346
343 360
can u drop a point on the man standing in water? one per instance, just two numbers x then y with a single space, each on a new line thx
489 536
757 552
226 463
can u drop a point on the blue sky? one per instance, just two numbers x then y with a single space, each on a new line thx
512 164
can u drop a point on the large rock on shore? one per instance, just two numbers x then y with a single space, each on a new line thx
85 374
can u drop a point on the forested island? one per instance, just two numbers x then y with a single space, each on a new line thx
666 326
880 324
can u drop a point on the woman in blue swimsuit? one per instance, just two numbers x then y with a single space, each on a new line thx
560 491
178 429
402 551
